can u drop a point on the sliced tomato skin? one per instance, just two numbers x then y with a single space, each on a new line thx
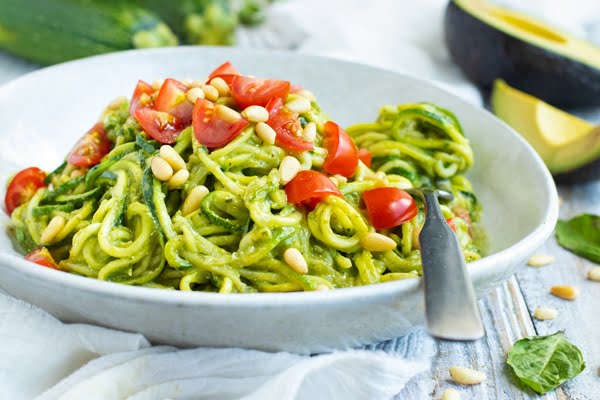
90 148
342 154
141 97
450 222
22 187
309 188
42 256
172 98
160 126
211 131
365 156
389 207
287 127
257 91
225 71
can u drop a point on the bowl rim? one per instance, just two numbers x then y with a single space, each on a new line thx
518 250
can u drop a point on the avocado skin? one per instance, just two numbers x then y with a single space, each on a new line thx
485 54
586 173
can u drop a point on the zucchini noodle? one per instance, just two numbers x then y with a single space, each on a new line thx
122 224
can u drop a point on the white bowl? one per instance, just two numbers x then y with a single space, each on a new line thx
43 113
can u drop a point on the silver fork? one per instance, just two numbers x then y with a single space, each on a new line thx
450 304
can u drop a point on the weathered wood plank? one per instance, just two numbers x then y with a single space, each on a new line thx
580 319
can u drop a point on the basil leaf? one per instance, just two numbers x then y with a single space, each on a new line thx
581 235
545 362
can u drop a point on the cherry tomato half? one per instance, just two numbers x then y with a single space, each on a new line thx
309 188
365 156
172 99
42 256
160 126
226 71
287 127
342 154
90 148
257 91
212 131
141 97
389 207
22 187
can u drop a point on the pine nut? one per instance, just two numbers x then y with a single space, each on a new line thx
334 180
310 131
178 179
77 173
541 260
265 133
197 83
467 376
157 84
256 114
193 200
194 94
221 86
187 82
565 292
545 313
227 114
299 105
340 178
288 169
161 169
54 227
295 260
169 154
307 94
210 92
594 274
377 242
451 394
321 287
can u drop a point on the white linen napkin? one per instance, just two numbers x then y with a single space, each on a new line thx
44 359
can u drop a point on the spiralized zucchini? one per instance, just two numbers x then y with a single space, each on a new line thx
124 225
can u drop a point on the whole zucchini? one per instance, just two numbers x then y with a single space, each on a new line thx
52 31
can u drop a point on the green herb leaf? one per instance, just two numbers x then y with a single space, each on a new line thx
545 362
581 235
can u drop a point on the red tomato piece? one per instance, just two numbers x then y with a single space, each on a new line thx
365 156
389 207
160 126
450 222
287 127
42 256
90 148
342 154
309 188
257 91
172 99
212 131
22 187
226 71
141 97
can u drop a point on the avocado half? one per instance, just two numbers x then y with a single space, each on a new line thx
569 146
490 42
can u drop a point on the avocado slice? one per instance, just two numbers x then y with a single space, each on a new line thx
567 144
490 42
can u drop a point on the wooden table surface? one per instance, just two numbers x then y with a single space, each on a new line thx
507 314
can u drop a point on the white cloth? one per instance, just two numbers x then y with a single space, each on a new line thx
42 358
